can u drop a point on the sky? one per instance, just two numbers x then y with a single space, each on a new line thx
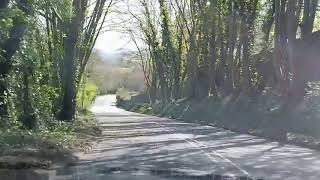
110 42
113 46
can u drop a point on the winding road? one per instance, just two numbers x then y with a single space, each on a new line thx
138 147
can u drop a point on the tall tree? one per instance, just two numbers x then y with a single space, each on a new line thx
74 27
82 31
9 47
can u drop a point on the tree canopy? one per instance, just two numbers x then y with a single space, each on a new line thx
217 48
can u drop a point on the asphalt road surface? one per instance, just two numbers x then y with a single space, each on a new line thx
138 147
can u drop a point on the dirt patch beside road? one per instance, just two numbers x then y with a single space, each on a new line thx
24 149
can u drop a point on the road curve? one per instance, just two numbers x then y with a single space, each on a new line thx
135 146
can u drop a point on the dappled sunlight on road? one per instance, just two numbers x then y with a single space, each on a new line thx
133 142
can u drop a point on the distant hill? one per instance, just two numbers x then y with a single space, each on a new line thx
114 57
110 71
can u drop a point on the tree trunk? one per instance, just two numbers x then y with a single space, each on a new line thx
309 12
28 117
291 27
245 59
7 51
84 86
213 51
305 29
161 76
70 57
247 38
169 53
178 79
69 88
192 68
3 100
4 4
283 49
221 71
277 44
153 87
232 28
213 59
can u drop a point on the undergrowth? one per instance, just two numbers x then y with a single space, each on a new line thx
55 143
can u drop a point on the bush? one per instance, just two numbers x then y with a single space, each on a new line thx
123 94
86 95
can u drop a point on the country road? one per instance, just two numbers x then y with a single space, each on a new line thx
135 146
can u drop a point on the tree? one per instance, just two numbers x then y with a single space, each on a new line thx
10 46
78 45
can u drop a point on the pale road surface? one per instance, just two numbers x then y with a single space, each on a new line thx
138 147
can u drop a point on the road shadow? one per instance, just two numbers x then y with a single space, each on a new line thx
136 146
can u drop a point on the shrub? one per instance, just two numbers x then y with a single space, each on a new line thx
123 94
86 95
